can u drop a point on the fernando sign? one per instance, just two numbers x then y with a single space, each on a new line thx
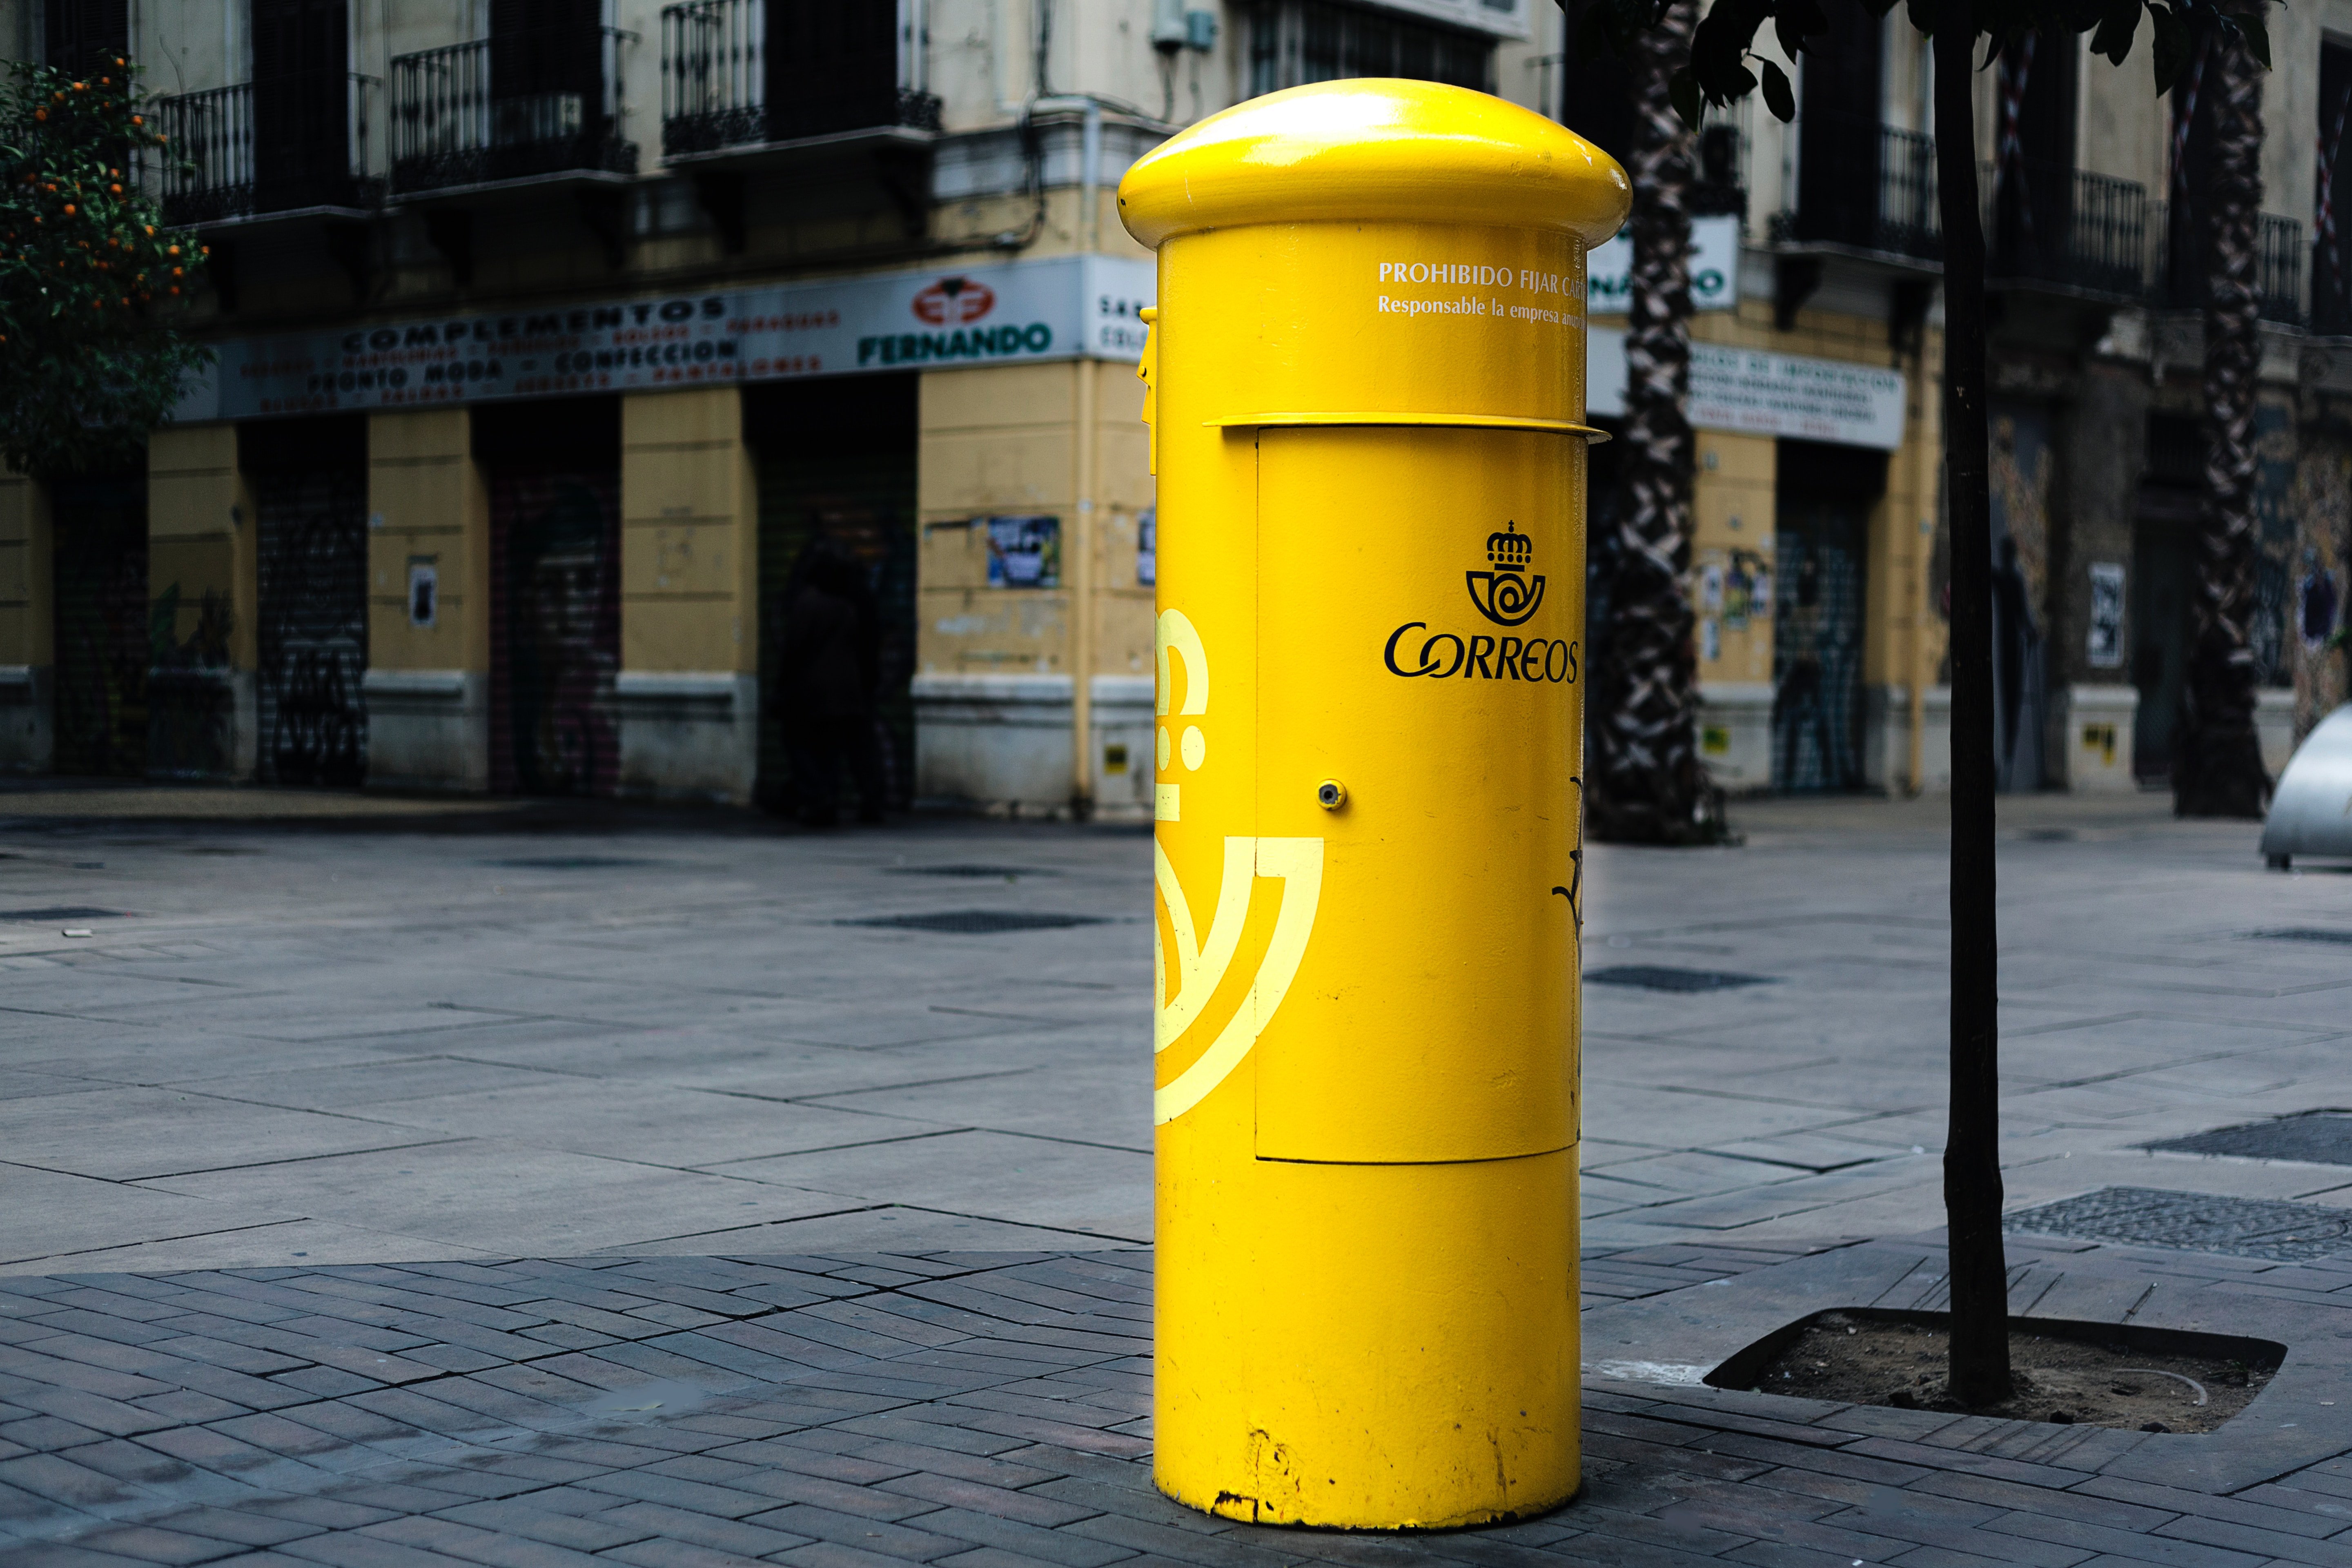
1064 308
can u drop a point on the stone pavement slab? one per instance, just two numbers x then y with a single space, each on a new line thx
989 1409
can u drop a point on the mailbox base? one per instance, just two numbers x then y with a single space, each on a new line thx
1366 1347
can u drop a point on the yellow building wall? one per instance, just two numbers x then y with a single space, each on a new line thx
1732 510
1007 441
427 503
27 627
200 535
689 534
1735 480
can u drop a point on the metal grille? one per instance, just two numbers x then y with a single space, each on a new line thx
103 650
978 922
1662 977
2196 1222
312 631
555 607
523 102
1817 647
2314 1138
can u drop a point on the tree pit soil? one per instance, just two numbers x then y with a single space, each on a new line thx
1862 1361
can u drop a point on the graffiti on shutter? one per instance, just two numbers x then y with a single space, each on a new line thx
555 605
102 639
313 626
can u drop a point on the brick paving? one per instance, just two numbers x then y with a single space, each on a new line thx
988 1410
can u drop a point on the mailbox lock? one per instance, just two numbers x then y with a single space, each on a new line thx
1330 794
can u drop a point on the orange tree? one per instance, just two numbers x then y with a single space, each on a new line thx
1719 71
90 359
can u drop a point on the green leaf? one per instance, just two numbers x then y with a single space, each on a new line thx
2168 48
1681 91
2114 39
1778 97
2257 35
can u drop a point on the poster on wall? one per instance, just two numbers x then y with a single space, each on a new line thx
1025 551
2103 640
424 593
1057 309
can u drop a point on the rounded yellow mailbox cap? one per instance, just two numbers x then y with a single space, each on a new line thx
1371 150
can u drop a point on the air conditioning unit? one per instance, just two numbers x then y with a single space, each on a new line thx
540 117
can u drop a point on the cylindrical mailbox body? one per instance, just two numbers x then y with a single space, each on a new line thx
1367 401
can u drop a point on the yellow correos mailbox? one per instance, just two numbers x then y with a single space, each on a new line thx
1366 400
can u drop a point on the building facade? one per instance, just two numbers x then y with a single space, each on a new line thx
1820 554
563 345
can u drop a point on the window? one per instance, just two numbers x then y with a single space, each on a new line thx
1293 42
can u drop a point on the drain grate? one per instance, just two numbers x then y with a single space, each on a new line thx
2303 933
570 862
2196 1222
2314 1137
62 912
972 873
978 922
1660 978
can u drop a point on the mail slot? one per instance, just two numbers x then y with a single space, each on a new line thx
1366 401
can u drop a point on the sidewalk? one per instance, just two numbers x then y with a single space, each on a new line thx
988 1410
273 1134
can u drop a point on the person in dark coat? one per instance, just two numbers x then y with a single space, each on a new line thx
830 662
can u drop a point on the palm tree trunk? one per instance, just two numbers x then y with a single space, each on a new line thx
1972 1189
1645 783
2218 767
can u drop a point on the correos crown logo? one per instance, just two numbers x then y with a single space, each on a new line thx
1507 595
954 302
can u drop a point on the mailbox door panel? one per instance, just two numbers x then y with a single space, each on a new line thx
1420 618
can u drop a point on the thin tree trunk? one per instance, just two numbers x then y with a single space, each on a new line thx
2218 765
1645 782
1972 1189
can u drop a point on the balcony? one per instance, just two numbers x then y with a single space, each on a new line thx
274 148
2179 274
2052 226
538 104
1864 189
726 91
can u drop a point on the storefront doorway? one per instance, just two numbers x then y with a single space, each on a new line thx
103 649
309 482
836 466
1823 504
554 476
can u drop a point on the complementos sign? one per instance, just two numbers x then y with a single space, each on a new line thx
1066 308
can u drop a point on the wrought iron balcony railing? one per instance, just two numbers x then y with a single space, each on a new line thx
1863 188
519 105
2049 222
716 67
280 144
2180 273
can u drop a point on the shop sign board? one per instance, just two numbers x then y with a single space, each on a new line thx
1058 309
1755 393
1714 269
